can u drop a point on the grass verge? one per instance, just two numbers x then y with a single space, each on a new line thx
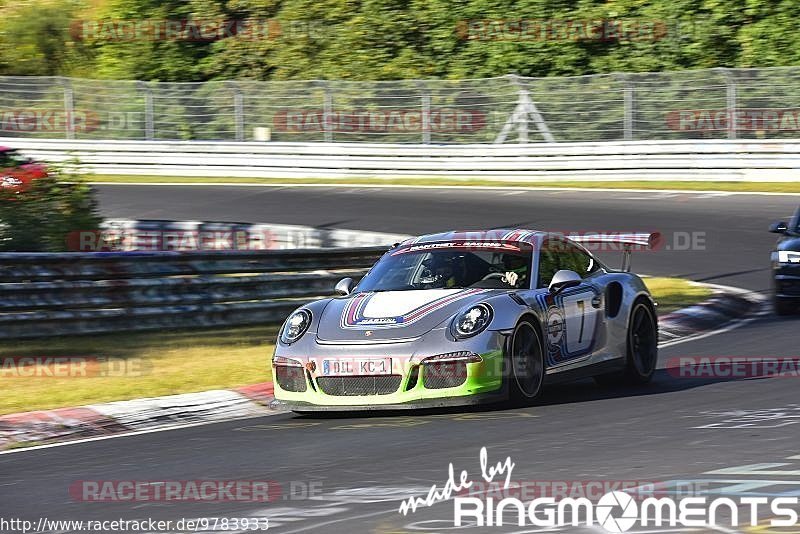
149 364
139 365
765 187
675 293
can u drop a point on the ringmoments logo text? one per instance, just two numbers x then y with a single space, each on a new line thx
615 511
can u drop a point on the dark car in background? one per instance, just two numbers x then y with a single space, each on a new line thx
18 172
786 265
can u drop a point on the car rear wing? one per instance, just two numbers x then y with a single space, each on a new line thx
628 242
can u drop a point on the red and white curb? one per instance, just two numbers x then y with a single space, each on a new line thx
728 308
95 420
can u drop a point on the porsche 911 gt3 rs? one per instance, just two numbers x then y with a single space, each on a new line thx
469 317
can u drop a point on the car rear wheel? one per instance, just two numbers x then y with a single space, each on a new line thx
642 353
642 344
526 359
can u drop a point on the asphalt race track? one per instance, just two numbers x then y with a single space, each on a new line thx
704 433
736 238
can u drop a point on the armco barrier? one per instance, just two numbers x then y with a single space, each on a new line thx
750 160
131 234
56 294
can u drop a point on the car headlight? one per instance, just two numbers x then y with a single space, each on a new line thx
451 357
788 256
472 321
295 326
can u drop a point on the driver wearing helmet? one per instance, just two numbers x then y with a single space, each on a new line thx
516 270
443 272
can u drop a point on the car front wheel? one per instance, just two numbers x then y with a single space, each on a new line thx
526 359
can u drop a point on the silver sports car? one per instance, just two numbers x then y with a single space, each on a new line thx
468 317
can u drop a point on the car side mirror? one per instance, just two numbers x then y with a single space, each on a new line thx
564 279
344 286
779 228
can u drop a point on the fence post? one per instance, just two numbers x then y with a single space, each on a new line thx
69 109
629 109
522 115
238 110
426 113
327 112
149 125
730 101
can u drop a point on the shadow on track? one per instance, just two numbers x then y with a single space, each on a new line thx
664 381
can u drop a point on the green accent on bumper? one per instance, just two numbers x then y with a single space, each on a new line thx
482 377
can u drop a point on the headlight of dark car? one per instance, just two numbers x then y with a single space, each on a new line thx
788 256
471 321
295 326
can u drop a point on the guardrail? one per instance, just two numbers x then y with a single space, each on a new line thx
154 235
746 160
57 294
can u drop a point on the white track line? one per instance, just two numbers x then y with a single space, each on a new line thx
454 186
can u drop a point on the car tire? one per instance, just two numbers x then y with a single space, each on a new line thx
785 306
525 358
642 349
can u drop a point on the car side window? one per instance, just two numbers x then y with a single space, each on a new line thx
578 260
556 255
548 263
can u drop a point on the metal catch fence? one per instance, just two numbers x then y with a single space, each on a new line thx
702 104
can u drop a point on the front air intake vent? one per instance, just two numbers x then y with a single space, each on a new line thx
342 386
446 374
291 378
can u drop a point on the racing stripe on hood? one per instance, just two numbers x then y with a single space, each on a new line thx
353 312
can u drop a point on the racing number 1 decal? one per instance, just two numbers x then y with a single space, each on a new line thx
581 318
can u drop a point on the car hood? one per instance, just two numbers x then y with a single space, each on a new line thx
392 315
790 243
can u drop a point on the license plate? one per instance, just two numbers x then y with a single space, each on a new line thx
357 366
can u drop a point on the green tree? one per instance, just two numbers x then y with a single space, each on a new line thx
41 218
35 40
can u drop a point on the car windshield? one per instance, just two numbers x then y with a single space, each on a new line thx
795 222
451 265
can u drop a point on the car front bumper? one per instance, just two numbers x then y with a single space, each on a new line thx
411 384
787 281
